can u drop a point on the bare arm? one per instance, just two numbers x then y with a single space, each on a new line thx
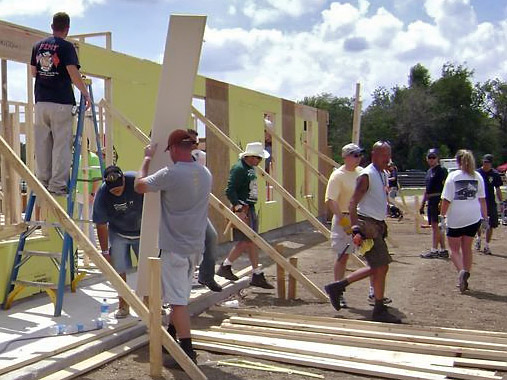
140 184
361 189
103 235
33 70
75 76
484 208
444 207
499 195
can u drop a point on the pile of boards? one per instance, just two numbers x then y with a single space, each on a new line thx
359 347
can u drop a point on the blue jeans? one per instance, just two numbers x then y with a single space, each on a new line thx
207 267
121 259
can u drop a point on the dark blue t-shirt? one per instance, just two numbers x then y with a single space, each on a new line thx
435 179
123 213
492 180
51 56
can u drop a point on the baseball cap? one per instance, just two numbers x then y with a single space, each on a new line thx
487 158
113 177
351 149
180 136
432 151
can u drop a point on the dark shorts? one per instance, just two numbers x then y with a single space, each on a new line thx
470 230
433 209
378 255
493 215
237 235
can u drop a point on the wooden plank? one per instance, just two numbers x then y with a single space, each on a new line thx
291 294
280 282
447 332
26 360
155 317
316 362
400 342
16 42
322 156
99 360
88 247
12 230
288 179
124 120
356 122
179 69
336 350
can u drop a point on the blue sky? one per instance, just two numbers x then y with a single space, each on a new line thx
297 48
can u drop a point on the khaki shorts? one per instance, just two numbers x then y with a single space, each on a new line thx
177 275
378 255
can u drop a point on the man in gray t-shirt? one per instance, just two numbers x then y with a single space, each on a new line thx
184 193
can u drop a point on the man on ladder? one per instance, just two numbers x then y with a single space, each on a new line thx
55 66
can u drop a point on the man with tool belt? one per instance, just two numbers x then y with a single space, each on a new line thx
367 211
242 193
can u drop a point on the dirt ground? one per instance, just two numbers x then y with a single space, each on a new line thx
423 291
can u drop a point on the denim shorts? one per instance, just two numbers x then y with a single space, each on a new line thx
121 257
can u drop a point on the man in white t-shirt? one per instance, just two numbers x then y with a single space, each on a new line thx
184 196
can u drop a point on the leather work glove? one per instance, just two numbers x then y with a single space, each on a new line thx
442 223
485 224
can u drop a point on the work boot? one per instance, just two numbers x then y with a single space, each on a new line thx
211 285
335 292
225 271
260 281
381 314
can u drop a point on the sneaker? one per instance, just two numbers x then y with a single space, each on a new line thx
335 292
211 285
429 255
385 300
171 363
225 271
443 254
463 281
122 313
259 280
477 244
381 314
487 251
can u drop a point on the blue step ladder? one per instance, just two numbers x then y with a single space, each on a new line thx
67 255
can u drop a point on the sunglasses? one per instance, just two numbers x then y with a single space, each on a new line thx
356 155
432 157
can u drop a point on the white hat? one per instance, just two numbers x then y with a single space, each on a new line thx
254 149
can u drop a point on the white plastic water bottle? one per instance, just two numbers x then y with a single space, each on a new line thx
104 311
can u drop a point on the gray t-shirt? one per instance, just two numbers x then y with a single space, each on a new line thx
184 192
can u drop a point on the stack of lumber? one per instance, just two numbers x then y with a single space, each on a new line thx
359 347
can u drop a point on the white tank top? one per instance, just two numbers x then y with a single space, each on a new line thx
374 201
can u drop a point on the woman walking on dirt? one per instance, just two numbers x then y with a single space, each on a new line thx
463 207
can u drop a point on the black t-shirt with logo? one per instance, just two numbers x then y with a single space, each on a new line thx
51 56
492 179
435 179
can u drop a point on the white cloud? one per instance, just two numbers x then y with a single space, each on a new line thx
262 12
36 7
455 18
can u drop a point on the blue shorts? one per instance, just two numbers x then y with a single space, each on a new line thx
121 258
